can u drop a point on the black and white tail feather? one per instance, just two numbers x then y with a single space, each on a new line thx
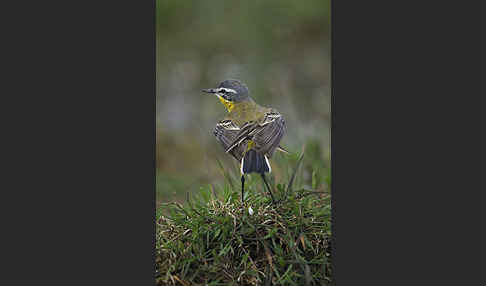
254 162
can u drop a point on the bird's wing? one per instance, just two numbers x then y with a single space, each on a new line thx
272 129
266 135
226 132
282 149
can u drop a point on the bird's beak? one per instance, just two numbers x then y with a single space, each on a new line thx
210 90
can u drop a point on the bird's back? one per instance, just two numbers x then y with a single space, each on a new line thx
247 112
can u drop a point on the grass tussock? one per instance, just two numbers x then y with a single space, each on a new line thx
215 240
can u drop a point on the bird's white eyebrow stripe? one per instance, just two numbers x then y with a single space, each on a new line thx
227 89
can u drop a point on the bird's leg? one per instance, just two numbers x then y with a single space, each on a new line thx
266 184
242 187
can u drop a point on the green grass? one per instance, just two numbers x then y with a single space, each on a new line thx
213 239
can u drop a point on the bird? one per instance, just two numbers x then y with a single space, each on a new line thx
250 133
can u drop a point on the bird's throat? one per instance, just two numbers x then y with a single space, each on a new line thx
228 104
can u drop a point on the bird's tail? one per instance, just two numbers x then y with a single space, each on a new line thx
255 162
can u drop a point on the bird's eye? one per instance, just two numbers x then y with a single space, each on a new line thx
222 91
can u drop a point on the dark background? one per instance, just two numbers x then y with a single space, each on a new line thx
280 49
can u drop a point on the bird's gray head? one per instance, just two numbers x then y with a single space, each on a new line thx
230 90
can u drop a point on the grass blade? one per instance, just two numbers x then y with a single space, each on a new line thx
292 178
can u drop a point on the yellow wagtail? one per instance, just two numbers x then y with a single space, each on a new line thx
250 132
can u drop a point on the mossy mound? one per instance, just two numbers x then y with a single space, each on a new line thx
214 240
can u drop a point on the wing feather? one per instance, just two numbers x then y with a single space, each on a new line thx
268 138
266 135
226 132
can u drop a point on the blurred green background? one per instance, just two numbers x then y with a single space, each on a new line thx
280 49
